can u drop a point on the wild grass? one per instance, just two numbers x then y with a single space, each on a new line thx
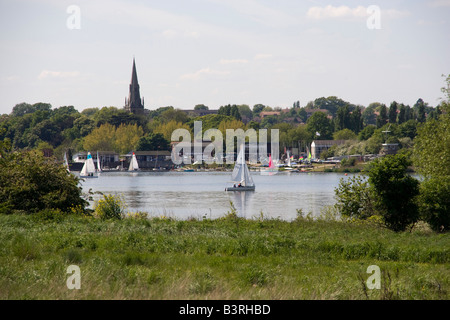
226 258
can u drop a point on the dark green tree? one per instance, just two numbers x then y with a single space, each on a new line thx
420 110
153 142
402 114
382 118
319 126
395 191
393 112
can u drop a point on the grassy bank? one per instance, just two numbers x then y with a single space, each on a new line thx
227 258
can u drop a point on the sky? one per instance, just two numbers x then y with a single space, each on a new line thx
219 52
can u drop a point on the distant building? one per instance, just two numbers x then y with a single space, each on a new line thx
152 159
264 114
389 148
108 159
318 146
134 104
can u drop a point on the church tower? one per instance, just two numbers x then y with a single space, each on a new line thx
134 103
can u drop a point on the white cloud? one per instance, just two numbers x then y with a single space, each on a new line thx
202 72
57 74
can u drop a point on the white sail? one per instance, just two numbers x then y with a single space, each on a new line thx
88 167
133 164
289 159
241 174
99 169
66 162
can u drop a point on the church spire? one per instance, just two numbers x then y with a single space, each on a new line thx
134 103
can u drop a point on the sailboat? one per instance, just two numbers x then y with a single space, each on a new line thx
241 175
271 169
66 162
133 164
99 169
88 170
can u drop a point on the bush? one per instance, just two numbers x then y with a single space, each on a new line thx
110 207
30 182
354 198
390 193
434 203
395 191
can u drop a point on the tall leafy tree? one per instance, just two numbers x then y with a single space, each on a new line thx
319 126
395 191
393 112
382 117
402 114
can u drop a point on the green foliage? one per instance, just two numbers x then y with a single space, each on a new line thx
366 133
30 182
431 156
319 123
348 162
354 198
110 207
434 203
344 134
432 148
151 142
395 190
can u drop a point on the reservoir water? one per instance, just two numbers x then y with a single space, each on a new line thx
183 195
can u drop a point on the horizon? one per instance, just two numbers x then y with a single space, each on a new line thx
217 52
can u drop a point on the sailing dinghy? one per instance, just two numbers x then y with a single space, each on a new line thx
88 170
133 164
241 175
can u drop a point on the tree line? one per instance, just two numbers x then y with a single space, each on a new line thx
39 126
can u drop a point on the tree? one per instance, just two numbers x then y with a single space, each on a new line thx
366 133
201 107
257 108
345 134
356 120
30 182
393 112
101 138
127 137
395 191
382 118
166 129
402 114
319 123
368 114
419 107
152 142
245 111
354 198
431 156
342 119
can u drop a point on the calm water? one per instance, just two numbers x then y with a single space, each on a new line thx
195 194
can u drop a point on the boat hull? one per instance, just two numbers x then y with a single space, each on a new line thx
240 189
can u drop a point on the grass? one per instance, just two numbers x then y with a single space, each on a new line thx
227 258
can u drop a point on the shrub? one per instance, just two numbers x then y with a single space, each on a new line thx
110 207
30 182
354 198
434 203
395 190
